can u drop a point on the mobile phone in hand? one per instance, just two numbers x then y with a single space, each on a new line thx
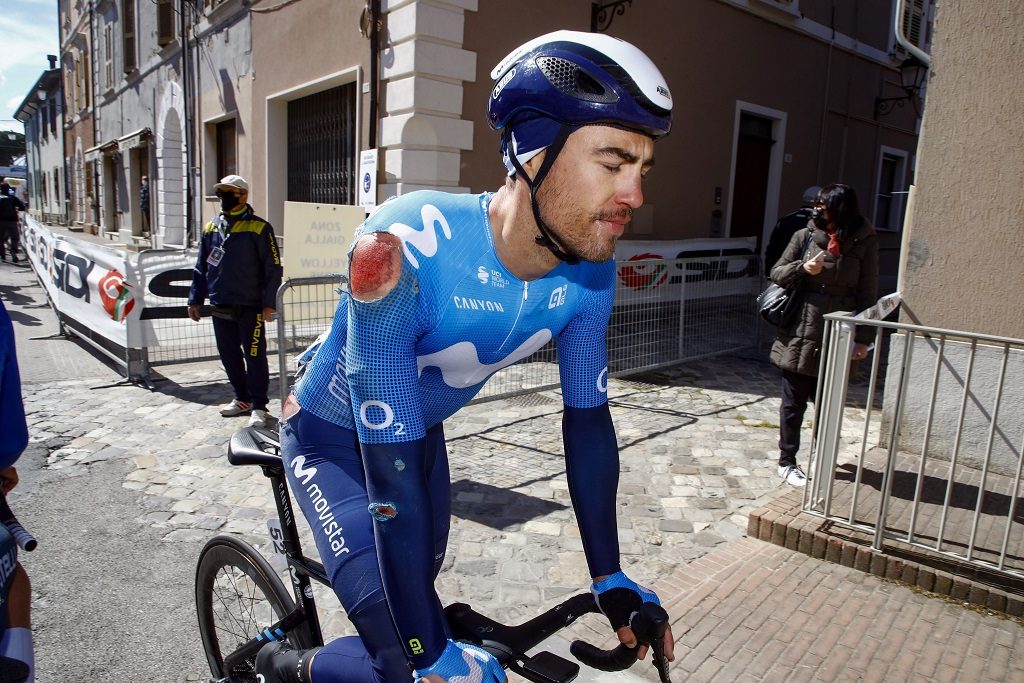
819 257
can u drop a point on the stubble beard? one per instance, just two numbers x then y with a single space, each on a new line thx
577 236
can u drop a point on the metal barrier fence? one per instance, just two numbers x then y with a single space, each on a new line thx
936 463
665 312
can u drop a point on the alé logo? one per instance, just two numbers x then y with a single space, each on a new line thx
301 471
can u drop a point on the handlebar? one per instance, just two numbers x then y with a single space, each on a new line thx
649 624
508 643
23 538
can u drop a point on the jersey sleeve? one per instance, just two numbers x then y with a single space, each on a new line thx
12 410
582 350
380 364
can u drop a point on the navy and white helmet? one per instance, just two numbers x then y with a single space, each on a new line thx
579 78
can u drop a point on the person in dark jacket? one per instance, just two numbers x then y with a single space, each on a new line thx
10 205
833 262
239 270
787 226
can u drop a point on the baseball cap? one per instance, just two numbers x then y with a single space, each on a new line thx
233 182
810 194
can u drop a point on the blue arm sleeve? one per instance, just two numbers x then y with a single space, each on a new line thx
592 470
13 428
404 531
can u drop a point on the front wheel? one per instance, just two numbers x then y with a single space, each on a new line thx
237 596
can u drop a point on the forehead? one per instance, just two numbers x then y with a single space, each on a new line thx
597 137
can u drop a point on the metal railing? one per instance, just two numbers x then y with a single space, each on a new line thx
935 463
305 308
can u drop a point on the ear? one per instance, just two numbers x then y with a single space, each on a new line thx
533 165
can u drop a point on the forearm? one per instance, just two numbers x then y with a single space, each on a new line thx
592 470
403 530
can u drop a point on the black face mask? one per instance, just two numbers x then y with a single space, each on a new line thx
228 200
818 218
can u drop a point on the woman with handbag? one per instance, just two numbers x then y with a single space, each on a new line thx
831 265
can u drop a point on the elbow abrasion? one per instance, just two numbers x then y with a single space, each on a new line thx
375 266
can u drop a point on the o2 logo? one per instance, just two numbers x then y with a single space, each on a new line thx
379 415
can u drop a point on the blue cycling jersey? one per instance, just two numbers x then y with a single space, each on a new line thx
392 368
456 317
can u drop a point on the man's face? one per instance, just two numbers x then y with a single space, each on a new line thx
593 187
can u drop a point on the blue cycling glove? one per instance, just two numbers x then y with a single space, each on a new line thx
619 597
464 662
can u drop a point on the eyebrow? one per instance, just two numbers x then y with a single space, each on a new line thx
625 155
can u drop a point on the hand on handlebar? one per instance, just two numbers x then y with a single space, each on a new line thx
619 597
462 661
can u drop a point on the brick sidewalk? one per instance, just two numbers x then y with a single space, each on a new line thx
753 611
782 522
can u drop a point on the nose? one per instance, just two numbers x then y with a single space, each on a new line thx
631 191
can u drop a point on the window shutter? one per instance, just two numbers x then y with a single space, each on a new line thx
164 22
128 28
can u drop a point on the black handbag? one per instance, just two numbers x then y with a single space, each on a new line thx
778 305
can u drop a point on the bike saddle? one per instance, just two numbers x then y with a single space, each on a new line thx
254 446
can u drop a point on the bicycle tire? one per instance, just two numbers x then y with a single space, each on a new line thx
237 596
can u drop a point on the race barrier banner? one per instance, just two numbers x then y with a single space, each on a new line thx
85 282
707 267
121 296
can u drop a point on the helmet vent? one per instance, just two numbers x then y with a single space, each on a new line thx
574 81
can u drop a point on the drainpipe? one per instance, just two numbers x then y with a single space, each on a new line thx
923 56
374 85
189 133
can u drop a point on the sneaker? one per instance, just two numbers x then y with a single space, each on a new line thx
236 408
793 475
259 418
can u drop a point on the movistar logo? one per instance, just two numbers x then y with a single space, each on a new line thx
303 473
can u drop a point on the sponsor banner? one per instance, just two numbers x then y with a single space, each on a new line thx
656 270
162 278
85 281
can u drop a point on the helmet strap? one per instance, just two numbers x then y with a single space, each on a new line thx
547 237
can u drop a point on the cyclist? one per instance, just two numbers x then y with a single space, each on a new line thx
16 657
444 291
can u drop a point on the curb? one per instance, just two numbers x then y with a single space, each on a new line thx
783 523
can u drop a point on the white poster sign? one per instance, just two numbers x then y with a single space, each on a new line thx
368 179
318 237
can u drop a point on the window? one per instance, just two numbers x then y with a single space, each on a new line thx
226 158
128 31
86 81
71 85
108 56
890 197
164 22
917 25
322 147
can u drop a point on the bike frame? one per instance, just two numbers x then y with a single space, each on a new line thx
300 568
